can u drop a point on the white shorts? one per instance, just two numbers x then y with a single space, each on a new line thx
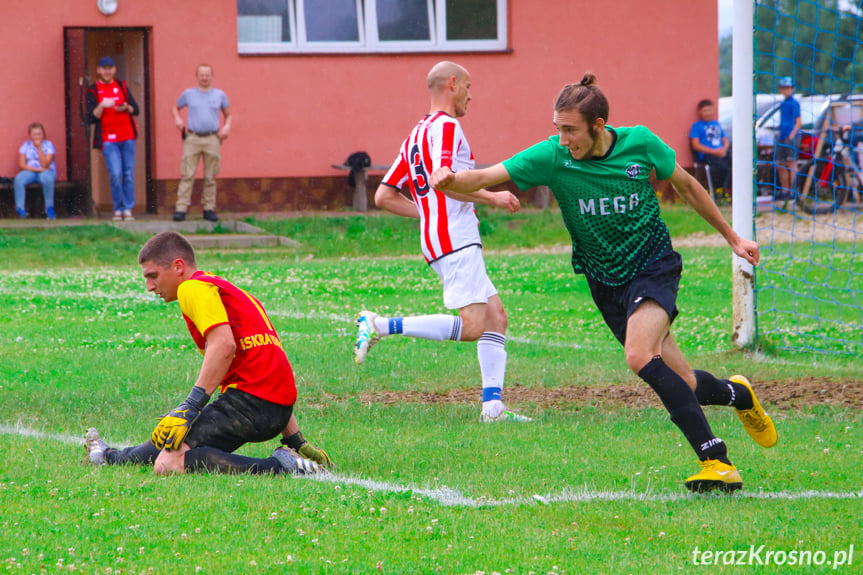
464 278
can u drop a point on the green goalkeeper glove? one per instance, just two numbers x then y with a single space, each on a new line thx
172 429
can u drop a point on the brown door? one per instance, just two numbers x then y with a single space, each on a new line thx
77 130
129 47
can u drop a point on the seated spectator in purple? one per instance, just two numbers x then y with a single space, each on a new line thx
36 161
710 145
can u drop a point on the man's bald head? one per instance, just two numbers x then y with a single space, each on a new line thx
441 72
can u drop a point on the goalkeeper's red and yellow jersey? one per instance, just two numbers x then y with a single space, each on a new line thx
446 225
260 366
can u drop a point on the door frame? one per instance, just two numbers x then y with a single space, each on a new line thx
146 104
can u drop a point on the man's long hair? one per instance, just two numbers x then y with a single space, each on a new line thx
584 97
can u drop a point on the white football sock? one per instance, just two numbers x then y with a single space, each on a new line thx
492 366
492 408
436 327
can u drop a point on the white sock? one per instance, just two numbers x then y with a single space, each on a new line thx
492 366
436 327
492 408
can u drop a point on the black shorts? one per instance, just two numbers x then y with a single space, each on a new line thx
659 281
784 150
237 418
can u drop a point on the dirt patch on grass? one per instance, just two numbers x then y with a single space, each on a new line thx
843 226
779 394
781 227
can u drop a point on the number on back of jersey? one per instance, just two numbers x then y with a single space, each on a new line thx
418 172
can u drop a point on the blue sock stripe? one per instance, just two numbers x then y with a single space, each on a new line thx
490 393
455 335
395 325
491 337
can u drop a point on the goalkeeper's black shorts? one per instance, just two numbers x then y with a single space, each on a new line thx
236 418
659 282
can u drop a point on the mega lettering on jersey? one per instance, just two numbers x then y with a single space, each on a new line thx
608 206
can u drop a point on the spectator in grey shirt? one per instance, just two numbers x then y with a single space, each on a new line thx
201 139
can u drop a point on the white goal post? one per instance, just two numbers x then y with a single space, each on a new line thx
742 128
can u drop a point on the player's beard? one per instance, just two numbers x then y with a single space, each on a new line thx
593 133
594 138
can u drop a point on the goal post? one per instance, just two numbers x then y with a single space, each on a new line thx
742 127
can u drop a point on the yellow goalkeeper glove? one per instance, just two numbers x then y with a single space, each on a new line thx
316 454
306 450
172 429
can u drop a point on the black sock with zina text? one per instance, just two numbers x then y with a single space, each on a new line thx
713 391
682 405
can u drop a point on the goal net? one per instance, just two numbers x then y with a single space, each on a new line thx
809 284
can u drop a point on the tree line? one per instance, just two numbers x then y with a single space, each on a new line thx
815 42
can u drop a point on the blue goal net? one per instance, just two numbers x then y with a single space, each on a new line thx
809 185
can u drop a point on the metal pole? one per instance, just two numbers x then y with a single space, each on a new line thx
743 300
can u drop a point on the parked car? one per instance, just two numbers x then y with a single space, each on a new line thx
767 125
843 111
725 113
821 115
725 110
829 171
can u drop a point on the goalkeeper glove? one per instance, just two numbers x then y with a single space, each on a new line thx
172 429
299 443
316 454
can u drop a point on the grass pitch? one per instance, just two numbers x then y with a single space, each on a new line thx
421 487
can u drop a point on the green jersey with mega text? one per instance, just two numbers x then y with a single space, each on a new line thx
607 203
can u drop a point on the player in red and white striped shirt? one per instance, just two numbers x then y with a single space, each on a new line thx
449 236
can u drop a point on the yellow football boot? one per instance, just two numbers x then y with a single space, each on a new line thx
756 422
715 475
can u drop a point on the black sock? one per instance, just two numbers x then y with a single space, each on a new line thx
216 460
682 405
712 391
295 441
142 454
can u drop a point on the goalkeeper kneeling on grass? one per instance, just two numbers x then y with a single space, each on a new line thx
243 356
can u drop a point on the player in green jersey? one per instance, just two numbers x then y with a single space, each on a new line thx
600 178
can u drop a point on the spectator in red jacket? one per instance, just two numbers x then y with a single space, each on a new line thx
111 108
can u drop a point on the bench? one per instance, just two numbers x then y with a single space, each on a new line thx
70 198
360 200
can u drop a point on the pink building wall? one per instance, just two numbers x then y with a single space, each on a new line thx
294 115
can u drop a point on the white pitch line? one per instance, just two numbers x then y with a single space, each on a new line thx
67 294
19 429
452 498
449 497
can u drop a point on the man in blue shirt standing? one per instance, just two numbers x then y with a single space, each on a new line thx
785 152
710 145
202 139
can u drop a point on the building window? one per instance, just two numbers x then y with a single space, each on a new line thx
266 22
348 26
326 22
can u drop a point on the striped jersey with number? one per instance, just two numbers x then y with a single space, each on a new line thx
446 225
260 366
